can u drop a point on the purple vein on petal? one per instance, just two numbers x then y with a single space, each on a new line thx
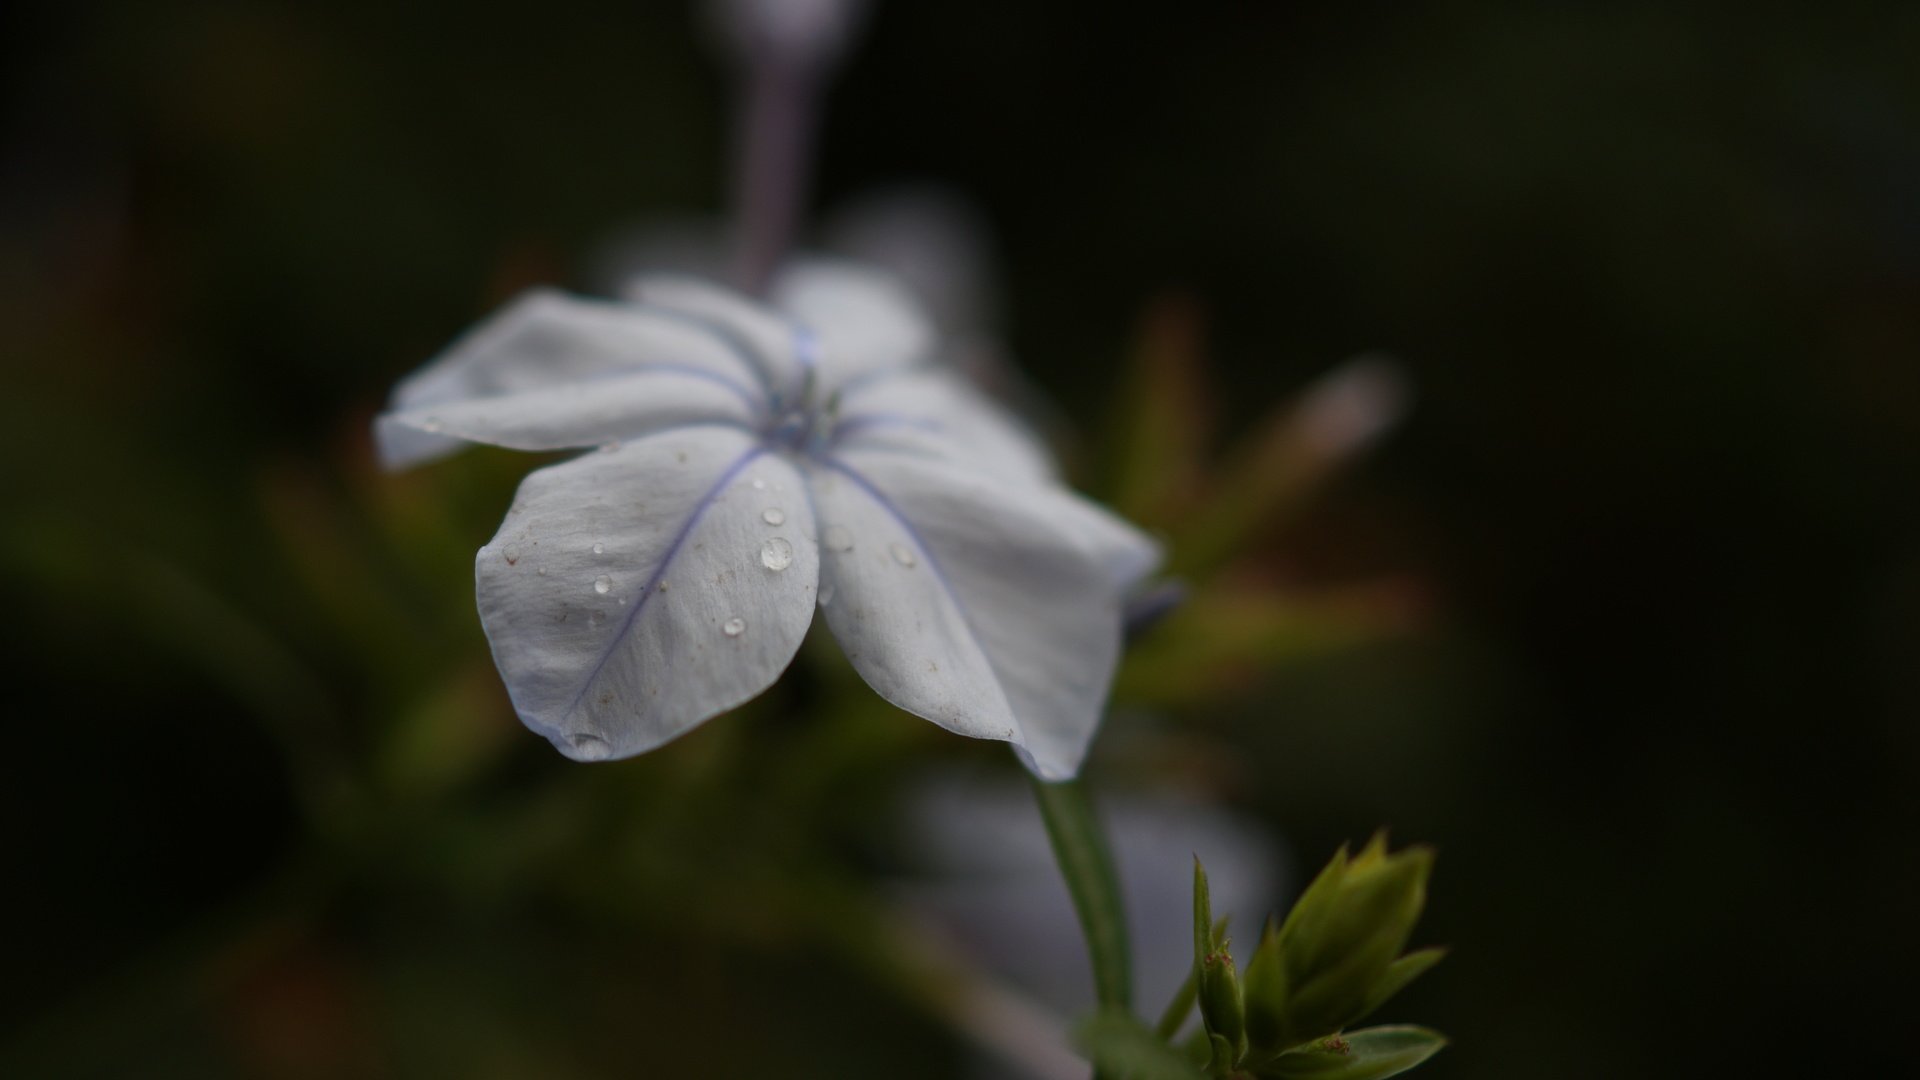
933 562
734 341
666 560
864 423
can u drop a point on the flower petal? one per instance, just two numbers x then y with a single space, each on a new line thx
588 412
633 593
938 413
864 321
547 338
756 331
980 606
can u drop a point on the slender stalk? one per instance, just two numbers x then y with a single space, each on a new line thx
1080 848
773 160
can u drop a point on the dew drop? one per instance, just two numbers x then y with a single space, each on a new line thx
603 584
734 627
838 538
826 595
591 748
903 555
776 554
759 484
774 516
599 549
542 571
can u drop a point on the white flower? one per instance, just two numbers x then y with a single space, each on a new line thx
756 462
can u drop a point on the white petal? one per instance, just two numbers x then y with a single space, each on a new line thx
758 332
631 594
588 412
936 412
978 605
863 321
546 338
1124 552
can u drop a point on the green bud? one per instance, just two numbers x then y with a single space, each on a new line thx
1221 1007
1222 1010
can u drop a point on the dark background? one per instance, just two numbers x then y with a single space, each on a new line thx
1654 272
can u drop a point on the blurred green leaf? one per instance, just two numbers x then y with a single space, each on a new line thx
1288 456
1160 425
1120 1044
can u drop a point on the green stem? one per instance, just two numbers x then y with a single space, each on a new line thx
1080 847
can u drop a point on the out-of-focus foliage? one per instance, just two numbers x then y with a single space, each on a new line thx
1621 619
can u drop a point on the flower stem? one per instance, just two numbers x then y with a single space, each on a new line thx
1080 848
773 161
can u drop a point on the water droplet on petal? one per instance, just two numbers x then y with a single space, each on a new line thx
542 571
774 516
826 595
776 554
603 584
734 627
903 555
591 748
759 484
599 549
838 538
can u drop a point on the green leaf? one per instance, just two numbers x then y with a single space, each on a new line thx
1304 923
1220 1055
1342 939
1361 1055
1202 914
1399 974
1381 899
1158 438
1121 1046
1080 848
1266 995
1273 470
1176 1012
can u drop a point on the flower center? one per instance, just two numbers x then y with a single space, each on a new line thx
799 423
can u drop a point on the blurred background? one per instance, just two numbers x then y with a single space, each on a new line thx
1621 615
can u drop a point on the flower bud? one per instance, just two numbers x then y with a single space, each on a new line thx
1215 979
